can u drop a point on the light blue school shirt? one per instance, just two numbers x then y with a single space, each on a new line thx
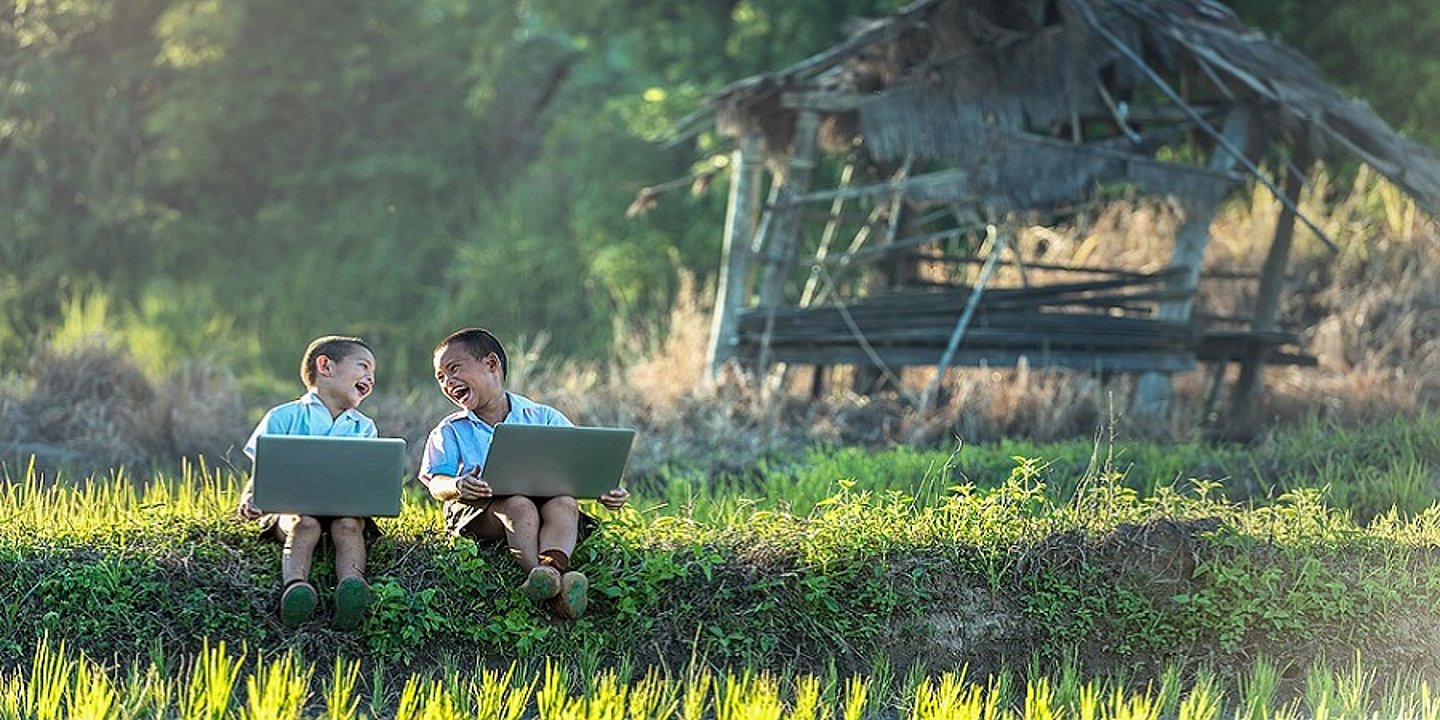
462 440
309 416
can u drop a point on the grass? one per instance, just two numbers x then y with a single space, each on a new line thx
221 683
1058 556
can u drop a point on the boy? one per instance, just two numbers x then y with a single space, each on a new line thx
470 367
339 373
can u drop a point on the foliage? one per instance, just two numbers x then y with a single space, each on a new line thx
1381 53
1135 575
390 170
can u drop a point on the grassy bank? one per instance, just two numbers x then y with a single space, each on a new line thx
990 566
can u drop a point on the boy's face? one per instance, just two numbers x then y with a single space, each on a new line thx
471 383
345 383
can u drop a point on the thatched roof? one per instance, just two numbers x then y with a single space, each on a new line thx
1038 100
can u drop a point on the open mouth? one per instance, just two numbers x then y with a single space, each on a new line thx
459 395
364 388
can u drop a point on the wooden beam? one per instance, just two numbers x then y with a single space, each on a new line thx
745 165
851 354
1151 400
1245 400
822 101
963 322
783 235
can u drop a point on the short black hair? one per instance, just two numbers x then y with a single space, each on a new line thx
335 347
478 342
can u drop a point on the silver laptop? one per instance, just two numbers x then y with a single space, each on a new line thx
335 476
550 460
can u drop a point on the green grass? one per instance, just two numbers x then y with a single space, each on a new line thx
973 563
1366 470
222 683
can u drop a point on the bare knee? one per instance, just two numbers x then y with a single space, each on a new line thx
561 506
302 527
518 508
347 527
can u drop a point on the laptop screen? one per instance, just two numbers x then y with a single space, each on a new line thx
550 460
329 476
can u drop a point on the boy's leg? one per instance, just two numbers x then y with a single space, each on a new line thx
352 594
297 597
348 533
517 519
559 526
302 534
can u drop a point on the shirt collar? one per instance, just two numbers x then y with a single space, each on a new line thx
313 398
515 402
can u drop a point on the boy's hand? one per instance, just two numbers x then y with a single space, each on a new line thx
247 509
615 499
470 487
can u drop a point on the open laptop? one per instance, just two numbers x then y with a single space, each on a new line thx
550 460
335 476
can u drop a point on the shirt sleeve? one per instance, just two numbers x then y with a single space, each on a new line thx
442 455
268 425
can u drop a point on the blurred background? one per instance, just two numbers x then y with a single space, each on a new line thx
194 189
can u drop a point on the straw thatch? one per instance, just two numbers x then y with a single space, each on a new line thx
983 84
962 113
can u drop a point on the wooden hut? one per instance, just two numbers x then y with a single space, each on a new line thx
952 118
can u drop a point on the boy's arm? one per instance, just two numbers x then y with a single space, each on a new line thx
443 473
247 510
465 487
443 487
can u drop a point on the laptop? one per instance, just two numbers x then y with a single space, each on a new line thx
550 460
334 476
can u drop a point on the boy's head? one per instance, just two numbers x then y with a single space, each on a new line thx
470 367
340 369
479 342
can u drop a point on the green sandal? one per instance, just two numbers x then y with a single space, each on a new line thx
541 584
297 602
573 598
352 597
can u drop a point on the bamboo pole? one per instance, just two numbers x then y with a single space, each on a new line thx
745 165
961 324
782 238
832 225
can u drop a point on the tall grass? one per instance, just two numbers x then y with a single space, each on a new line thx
63 684
757 586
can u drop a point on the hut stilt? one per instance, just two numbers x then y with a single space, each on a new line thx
745 165
1153 390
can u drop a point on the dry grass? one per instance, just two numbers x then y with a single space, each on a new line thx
90 406
1370 314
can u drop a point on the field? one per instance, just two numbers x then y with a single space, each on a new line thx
1082 579
786 556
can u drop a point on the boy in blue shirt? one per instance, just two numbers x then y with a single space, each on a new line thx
339 373
541 532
